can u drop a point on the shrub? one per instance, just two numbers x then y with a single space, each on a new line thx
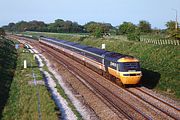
135 36
2 32
98 33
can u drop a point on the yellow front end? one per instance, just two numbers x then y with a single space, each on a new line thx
130 77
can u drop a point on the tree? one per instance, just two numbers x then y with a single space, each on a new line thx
126 28
130 30
65 26
21 26
144 26
58 26
90 27
2 32
11 26
36 26
98 29
171 30
171 25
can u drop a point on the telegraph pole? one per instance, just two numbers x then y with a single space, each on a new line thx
176 25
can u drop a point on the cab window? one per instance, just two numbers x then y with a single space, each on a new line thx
127 66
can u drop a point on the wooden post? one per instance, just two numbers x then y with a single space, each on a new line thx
103 46
25 64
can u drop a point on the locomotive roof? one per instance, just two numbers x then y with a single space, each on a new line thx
115 56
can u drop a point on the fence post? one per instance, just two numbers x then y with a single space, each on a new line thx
160 41
172 42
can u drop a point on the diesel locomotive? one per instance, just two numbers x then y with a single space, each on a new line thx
125 68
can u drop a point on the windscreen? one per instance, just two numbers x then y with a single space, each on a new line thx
129 66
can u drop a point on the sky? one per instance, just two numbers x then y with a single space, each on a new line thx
157 12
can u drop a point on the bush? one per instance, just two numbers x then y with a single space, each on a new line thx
98 33
2 32
135 36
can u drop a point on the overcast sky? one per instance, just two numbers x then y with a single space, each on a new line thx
157 12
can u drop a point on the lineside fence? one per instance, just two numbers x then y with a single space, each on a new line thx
160 41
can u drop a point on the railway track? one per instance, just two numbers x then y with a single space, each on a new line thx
121 106
155 97
158 103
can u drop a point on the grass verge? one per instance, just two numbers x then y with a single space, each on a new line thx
23 102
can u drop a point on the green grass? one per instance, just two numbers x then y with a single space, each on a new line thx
8 58
23 102
160 63
35 34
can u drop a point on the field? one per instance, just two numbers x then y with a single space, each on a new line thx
160 63
22 100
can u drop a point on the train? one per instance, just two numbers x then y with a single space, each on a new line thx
124 68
